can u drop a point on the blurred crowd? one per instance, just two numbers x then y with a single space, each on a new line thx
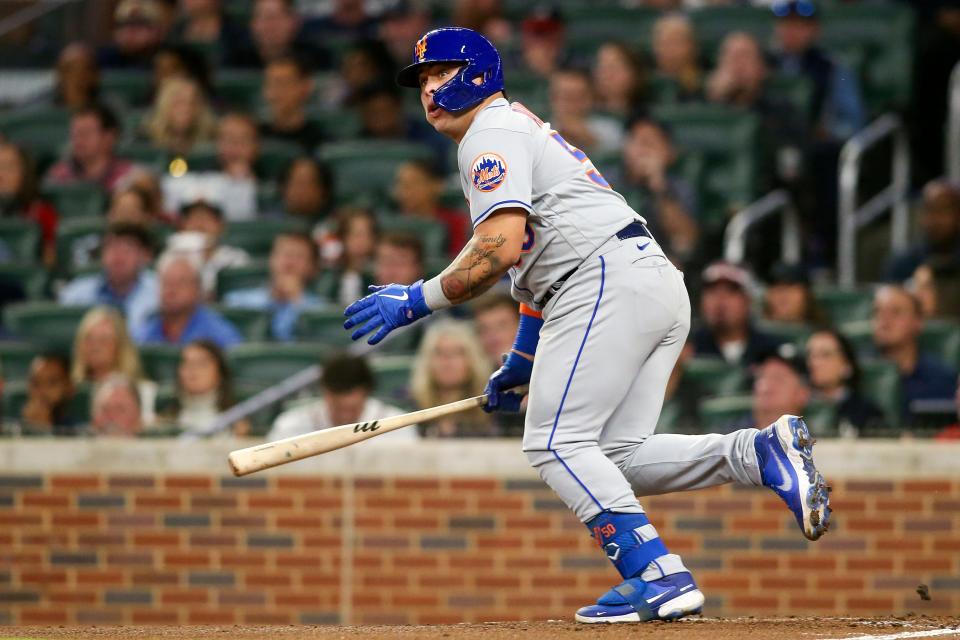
193 200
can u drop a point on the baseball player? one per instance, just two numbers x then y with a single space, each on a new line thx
604 316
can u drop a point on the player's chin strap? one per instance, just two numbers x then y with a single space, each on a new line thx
629 540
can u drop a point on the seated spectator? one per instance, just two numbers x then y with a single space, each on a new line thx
484 16
130 205
349 254
496 319
383 118
116 411
543 41
139 28
675 52
125 281
348 21
181 117
49 392
94 131
182 317
77 77
651 184
400 24
293 266
779 387
102 348
201 230
178 61
572 113
20 198
835 378
897 323
204 23
939 245
417 188
726 330
287 88
346 385
619 79
306 190
399 259
450 366
364 64
276 31
789 298
938 290
204 388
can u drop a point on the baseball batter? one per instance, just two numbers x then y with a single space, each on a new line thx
604 316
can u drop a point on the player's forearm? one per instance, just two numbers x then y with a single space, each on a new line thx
480 265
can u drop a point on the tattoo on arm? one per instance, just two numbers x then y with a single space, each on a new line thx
476 269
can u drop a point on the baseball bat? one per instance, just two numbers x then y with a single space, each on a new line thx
272 454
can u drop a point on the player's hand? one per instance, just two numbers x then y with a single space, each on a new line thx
515 372
389 307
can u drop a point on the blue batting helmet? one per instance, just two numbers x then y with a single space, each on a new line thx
456 44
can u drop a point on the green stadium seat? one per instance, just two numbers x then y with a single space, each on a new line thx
159 362
254 324
714 376
44 323
275 156
262 419
15 359
41 127
669 420
20 240
256 236
144 153
131 87
432 233
324 326
76 199
795 333
259 365
393 377
366 168
796 90
942 338
78 242
844 305
255 274
32 279
860 334
880 382
240 88
821 419
713 24
589 25
337 124
717 414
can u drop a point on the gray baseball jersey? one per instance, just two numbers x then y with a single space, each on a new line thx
510 158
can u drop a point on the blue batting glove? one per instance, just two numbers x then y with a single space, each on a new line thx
388 307
515 371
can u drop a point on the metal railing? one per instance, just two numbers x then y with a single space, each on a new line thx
775 202
952 143
850 217
30 12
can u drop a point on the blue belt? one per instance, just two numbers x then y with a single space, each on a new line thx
635 229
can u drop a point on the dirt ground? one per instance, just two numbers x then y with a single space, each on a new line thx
689 629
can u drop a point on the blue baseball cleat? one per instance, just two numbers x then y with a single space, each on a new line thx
634 600
785 457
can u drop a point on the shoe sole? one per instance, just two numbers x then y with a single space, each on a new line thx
816 503
687 604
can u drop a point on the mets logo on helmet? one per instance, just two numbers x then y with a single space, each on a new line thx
489 171
420 50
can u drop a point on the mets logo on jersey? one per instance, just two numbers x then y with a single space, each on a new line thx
420 50
489 171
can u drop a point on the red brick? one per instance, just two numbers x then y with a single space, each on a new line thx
941 505
20 519
502 504
474 484
322 541
369 520
154 616
269 501
926 486
498 582
184 596
213 616
306 483
43 616
946 544
812 563
75 519
870 564
213 501
152 539
43 577
244 521
751 524
861 524
414 600
418 484
21 558
44 538
753 562
121 481
51 500
443 503
899 545
848 504
296 599
775 583
188 482
754 602
813 603
499 542
839 583
171 501
75 482
738 582
299 522
894 506
861 603
102 538
387 502
442 581
266 617
311 503
385 580
526 521
192 559
99 576
229 559
262 579
71 596
937 563
155 578
319 579
557 542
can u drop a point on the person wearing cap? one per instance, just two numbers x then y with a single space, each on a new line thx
543 43
779 384
140 27
201 230
789 298
726 330
125 282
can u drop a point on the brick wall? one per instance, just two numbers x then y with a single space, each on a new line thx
185 548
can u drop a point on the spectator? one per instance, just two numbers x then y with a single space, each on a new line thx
675 52
727 331
938 291
837 105
383 118
131 205
619 79
203 23
116 409
450 366
543 41
952 432
347 22
939 221
102 348
287 87
346 386
399 259
789 298
293 266
140 27
486 17
179 61
275 30
204 388
350 254
417 188
94 131
402 23
125 281
779 387
496 319
77 77
306 189
572 113
181 118
835 378
897 323
201 231
49 392
182 316
651 184
20 198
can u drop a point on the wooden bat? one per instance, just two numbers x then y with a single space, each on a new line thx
272 454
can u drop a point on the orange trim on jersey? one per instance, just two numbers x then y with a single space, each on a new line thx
527 311
519 108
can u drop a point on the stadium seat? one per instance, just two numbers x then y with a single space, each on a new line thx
240 88
589 25
821 419
131 87
76 199
367 167
255 274
718 414
393 378
337 124
669 420
432 233
860 333
144 153
795 333
19 240
256 236
844 305
254 324
275 155
324 326
159 362
880 382
78 243
44 323
15 359
258 365
37 128
30 278
713 24
942 338
795 90
714 376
